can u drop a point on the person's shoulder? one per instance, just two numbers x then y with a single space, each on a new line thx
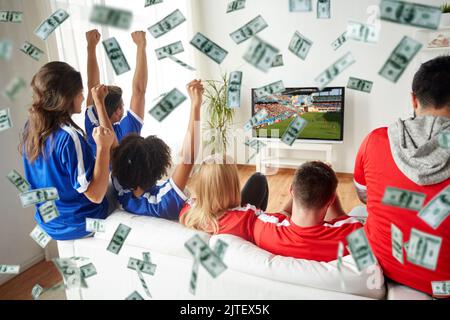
344 221
379 133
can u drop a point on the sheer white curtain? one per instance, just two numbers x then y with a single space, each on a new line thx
164 75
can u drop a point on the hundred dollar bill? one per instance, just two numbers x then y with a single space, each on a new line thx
234 90
36 291
171 49
167 104
300 5
5 49
32 197
146 267
111 17
88 270
360 249
300 45
211 49
336 69
11 16
12 90
95 225
143 283
20 182
152 2
403 199
235 5
146 257
5 120
339 42
48 211
423 249
440 288
69 271
249 30
295 128
9 269
340 254
40 236
397 243
360 85
437 210
444 140
270 89
323 9
134 296
50 24
118 238
261 115
31 51
208 259
400 58
255 145
362 32
181 63
168 23
260 54
278 61
220 248
194 276
116 56
411 14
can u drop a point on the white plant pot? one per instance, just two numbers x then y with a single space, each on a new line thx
445 20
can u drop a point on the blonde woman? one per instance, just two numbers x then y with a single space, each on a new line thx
219 206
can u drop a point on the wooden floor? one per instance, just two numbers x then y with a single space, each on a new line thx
45 273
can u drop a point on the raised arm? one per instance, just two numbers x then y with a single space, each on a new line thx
93 72
140 79
99 92
192 138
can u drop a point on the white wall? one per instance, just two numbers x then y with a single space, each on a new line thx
364 112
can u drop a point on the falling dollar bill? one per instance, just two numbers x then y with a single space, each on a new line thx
260 54
400 58
249 30
111 17
167 104
118 238
437 210
360 85
15 86
18 181
88 270
116 56
360 249
362 32
48 211
270 89
40 236
194 276
5 49
340 255
444 139
295 128
423 249
300 5
146 257
323 9
235 5
134 296
336 69
168 23
5 120
441 289
234 90
211 49
51 23
255 145
403 198
261 115
339 42
95 225
36 291
171 49
410 14
300 45
143 266
9 269
143 283
69 271
32 197
152 2
11 16
220 248
208 259
181 63
31 51
278 61
397 243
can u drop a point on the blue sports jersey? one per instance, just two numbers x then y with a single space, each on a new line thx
131 123
164 200
68 165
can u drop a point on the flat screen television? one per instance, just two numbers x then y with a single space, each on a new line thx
323 110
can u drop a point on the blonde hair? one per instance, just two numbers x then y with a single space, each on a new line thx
217 189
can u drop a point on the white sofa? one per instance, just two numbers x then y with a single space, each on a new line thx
252 273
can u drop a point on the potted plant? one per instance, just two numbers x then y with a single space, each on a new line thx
445 19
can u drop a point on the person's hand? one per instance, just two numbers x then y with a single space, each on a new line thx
93 38
139 38
195 90
99 93
103 137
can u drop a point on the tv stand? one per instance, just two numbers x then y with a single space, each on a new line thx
269 159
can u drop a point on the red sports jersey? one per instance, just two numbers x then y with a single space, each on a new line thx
277 234
238 221
375 169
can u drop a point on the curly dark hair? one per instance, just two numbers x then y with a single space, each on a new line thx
140 162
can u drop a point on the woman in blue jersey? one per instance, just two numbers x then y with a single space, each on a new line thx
56 153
